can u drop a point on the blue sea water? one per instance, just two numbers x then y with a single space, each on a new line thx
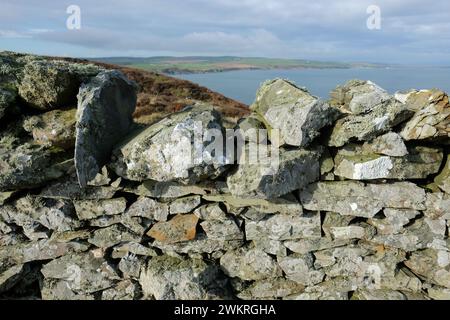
242 85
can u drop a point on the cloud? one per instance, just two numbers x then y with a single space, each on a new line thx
321 29
12 34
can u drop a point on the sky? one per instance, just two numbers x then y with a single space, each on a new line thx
410 31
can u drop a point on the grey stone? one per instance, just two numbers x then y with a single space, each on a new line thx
148 208
297 115
201 244
357 199
380 294
296 169
390 144
130 265
123 290
270 246
371 119
103 178
345 261
394 221
53 128
432 117
123 249
332 219
168 189
353 163
168 151
299 268
252 129
443 179
7 98
106 221
53 289
286 204
211 211
358 96
226 229
29 165
337 288
110 236
84 273
9 276
48 85
438 205
353 232
104 116
417 236
249 264
90 209
44 249
304 246
169 278
285 227
433 265
184 205
68 188
439 293
271 289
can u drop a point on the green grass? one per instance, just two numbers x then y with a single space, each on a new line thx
217 64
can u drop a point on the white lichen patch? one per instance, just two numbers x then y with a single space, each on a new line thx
374 169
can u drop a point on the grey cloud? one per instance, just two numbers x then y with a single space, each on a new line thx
411 29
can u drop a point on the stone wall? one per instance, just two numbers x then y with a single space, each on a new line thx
94 206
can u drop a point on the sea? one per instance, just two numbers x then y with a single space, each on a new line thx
242 85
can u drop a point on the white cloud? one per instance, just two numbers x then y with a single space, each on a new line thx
323 29
12 34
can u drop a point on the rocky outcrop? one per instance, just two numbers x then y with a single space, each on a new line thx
105 107
93 206
298 115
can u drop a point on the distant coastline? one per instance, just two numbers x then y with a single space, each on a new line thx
199 65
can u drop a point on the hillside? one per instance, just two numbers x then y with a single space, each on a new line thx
160 95
198 64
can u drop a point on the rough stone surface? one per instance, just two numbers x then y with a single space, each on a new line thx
148 208
171 278
380 113
362 200
47 85
179 228
184 205
30 165
7 97
442 180
167 151
104 116
252 264
432 117
53 128
296 169
297 115
90 209
285 227
390 144
353 163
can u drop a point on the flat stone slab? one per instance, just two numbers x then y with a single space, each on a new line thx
362 200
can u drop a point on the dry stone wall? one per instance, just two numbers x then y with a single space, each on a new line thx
93 206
